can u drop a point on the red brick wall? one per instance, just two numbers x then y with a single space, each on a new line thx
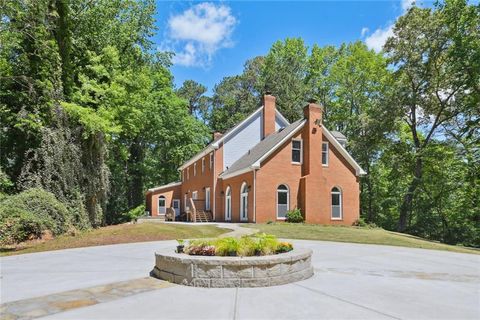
309 184
235 184
169 193
268 115
198 182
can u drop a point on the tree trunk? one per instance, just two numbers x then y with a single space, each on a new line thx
406 207
135 173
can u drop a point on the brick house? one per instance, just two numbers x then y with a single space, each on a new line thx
265 166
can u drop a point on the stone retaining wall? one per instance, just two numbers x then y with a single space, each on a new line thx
224 272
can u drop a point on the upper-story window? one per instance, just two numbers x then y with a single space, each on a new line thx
203 165
194 169
188 173
296 151
181 173
325 154
211 161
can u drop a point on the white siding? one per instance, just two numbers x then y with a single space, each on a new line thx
279 123
242 140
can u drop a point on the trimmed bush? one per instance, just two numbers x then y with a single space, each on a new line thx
27 214
262 244
294 216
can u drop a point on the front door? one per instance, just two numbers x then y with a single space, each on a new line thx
161 205
176 206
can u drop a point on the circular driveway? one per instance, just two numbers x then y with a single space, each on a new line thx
351 281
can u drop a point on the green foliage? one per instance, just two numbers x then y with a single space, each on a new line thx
18 225
294 216
27 214
261 244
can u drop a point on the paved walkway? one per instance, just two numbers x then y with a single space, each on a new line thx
351 281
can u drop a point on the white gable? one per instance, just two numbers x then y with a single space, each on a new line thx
244 137
280 121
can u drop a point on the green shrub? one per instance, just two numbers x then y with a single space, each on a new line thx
131 215
20 225
27 214
227 246
294 215
261 244
360 222
265 244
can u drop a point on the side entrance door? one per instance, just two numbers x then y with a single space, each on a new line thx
176 206
161 205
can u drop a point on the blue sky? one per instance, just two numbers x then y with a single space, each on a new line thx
214 39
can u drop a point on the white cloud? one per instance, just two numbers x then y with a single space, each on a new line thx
406 4
199 32
378 38
364 31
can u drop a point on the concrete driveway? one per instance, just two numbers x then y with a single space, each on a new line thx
351 281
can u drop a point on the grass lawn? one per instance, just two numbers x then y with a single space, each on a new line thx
123 233
355 235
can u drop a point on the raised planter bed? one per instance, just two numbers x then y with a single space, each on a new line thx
225 272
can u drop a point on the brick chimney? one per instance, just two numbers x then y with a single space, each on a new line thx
268 114
312 140
217 135
312 179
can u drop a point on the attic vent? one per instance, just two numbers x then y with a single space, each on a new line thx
248 151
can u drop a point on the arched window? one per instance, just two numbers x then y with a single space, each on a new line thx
228 204
283 201
161 205
336 203
244 202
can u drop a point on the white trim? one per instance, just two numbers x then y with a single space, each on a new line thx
173 184
254 195
288 199
358 170
195 195
197 156
301 151
216 144
173 205
228 197
236 173
327 152
257 163
162 197
207 199
243 210
340 205
281 116
280 143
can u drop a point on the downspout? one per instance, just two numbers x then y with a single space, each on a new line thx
254 195
214 184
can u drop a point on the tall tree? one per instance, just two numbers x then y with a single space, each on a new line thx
430 89
194 93
284 74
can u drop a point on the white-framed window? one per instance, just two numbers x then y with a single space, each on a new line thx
194 195
296 151
203 165
188 173
211 161
283 201
336 196
244 202
228 204
207 199
194 169
181 173
325 154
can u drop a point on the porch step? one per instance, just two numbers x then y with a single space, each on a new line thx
204 216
